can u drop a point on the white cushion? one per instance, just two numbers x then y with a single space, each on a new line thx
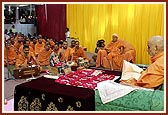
130 70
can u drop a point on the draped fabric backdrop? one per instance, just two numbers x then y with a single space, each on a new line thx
135 23
51 20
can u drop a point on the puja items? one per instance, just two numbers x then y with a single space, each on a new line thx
80 62
64 68
86 63
83 63
67 70
53 70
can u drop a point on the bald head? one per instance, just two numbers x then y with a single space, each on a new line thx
155 45
40 36
114 37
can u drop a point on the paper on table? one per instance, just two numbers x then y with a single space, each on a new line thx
115 78
51 76
96 72
109 90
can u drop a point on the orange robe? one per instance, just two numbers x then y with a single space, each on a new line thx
114 55
43 40
12 55
38 48
32 45
21 60
79 53
52 43
17 45
153 76
66 54
57 51
44 57
21 49
16 37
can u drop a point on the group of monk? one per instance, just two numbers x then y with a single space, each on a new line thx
20 51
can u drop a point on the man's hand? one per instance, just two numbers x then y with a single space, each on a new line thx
121 50
131 81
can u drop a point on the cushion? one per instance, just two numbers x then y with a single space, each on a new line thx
130 70
157 101
136 100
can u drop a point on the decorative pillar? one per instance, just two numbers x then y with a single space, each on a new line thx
30 9
9 8
17 15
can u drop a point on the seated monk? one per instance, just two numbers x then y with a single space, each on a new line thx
56 49
52 43
39 45
66 53
9 50
99 45
25 58
72 44
44 55
60 44
18 43
153 76
12 39
26 42
33 42
50 40
114 53
54 57
78 52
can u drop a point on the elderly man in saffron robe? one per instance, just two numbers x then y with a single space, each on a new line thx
113 54
153 76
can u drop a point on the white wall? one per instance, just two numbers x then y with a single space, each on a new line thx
24 28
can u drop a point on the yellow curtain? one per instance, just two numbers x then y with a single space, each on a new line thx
135 23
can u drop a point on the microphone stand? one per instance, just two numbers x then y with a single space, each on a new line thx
32 76
7 62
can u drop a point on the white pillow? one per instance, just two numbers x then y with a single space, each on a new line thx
130 70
